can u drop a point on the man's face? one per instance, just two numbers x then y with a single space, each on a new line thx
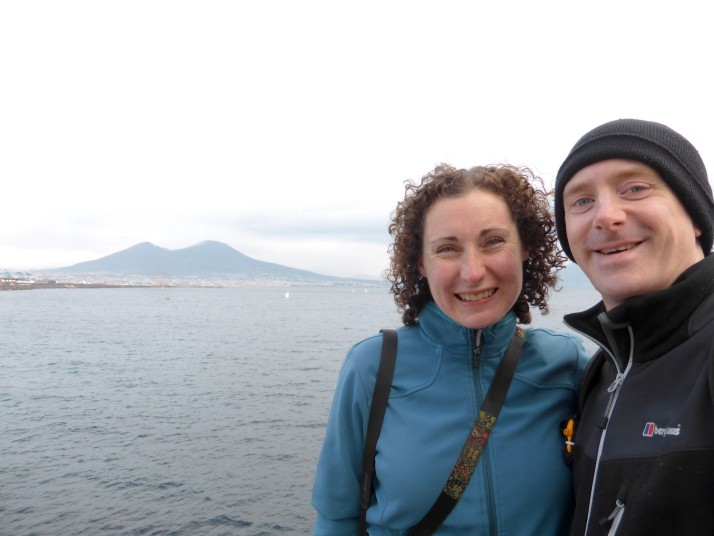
627 230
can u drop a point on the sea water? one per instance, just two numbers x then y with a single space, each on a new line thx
168 411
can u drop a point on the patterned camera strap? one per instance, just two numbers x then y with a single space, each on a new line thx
475 442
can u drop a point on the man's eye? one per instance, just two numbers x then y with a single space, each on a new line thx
583 201
636 189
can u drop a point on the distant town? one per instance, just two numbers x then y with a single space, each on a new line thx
27 281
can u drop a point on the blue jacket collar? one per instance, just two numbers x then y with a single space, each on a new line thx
442 330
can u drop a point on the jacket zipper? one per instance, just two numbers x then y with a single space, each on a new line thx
488 485
476 354
614 390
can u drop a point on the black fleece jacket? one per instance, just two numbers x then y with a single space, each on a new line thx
644 445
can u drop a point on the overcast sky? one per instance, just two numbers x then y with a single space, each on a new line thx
286 129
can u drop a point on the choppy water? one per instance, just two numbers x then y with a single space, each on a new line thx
173 411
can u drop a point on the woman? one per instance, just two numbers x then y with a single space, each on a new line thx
472 249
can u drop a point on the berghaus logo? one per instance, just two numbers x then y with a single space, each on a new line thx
651 430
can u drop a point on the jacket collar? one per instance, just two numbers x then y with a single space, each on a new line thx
660 320
442 330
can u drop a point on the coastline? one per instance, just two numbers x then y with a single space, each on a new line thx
33 285
143 282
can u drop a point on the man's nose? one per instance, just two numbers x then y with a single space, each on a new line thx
609 214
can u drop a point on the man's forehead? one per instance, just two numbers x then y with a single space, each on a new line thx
614 168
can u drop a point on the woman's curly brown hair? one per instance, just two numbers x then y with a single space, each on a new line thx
527 200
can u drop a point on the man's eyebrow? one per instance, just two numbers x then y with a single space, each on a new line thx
576 187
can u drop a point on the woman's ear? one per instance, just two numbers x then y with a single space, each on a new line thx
420 266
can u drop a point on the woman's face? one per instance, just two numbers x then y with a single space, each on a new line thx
472 256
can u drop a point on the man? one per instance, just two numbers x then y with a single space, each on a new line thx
634 210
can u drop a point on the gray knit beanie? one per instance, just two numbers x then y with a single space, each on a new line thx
653 144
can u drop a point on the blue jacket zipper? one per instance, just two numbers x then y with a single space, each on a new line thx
488 485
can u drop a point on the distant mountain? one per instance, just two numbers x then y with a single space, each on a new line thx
209 260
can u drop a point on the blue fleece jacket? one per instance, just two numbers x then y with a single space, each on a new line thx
520 487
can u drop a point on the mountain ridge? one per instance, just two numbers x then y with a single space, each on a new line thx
206 259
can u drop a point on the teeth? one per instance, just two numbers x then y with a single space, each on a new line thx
621 248
476 297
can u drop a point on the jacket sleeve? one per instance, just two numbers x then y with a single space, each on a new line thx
336 491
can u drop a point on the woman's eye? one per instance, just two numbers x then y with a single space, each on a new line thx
494 241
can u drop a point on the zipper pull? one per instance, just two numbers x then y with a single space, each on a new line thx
615 517
614 386
619 505
616 383
477 348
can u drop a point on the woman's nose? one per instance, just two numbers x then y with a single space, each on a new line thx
472 267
